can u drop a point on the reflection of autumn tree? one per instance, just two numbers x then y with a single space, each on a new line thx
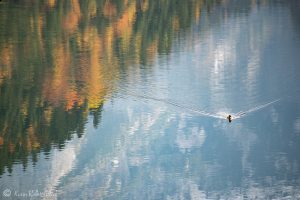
58 60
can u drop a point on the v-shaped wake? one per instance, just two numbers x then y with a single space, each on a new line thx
218 115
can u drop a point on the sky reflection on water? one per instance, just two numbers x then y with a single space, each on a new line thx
88 136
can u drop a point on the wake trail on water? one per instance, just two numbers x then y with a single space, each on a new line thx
166 101
243 113
218 115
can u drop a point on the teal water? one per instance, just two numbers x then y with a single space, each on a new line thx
128 99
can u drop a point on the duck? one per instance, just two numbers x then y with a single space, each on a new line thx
229 118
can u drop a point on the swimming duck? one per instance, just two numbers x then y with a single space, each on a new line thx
229 118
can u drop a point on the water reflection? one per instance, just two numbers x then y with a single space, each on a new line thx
66 82
59 63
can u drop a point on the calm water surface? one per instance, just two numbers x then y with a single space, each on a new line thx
128 99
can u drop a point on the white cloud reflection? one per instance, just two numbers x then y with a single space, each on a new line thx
189 137
62 162
297 126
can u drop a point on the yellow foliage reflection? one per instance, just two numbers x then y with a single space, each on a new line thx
59 61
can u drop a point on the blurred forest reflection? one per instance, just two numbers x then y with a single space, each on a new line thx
59 61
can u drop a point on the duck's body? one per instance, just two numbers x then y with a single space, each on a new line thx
229 118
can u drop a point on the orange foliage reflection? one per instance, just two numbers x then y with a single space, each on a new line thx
60 62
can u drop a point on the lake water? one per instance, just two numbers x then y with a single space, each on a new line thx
128 99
